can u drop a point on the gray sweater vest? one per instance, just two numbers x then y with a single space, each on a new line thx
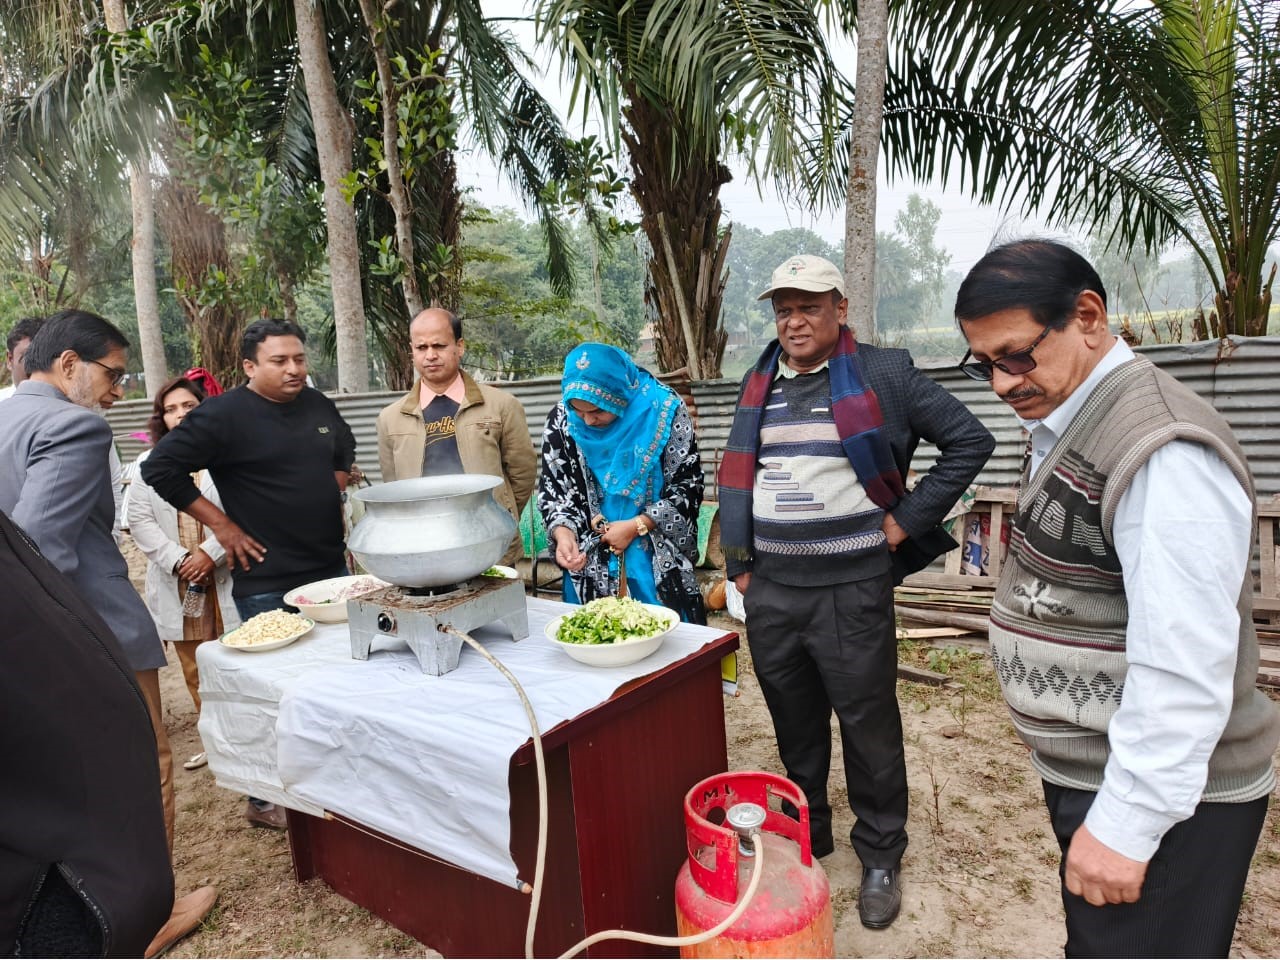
1059 614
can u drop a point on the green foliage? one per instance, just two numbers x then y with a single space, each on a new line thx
514 325
1158 120
277 220
426 122
910 271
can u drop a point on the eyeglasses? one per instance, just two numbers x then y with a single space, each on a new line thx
1015 364
115 375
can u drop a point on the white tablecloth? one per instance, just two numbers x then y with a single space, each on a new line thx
420 758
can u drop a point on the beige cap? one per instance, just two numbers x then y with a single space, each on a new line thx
805 273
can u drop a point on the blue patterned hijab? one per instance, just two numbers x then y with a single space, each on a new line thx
625 455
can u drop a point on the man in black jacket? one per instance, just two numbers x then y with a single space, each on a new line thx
280 455
817 526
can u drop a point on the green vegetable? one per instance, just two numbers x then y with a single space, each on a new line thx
610 620
493 572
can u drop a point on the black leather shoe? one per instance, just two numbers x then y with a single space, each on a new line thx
879 898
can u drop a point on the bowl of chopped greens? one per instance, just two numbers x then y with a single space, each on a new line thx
612 631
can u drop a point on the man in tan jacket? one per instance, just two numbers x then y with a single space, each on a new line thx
448 423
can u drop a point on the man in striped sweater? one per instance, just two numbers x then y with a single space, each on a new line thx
817 526
1122 628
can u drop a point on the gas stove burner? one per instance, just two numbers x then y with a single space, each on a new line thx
418 617
438 592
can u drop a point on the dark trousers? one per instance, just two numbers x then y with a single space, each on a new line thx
1191 895
818 649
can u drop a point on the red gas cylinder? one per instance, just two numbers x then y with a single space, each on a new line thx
790 914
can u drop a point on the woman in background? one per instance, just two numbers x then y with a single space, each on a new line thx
621 483
180 552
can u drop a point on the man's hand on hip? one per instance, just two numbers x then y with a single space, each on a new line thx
240 547
892 532
742 581
1099 874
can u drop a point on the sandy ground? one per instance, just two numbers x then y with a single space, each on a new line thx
979 877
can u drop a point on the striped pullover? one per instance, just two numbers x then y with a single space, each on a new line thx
814 525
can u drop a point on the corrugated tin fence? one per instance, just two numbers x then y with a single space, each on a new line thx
1238 376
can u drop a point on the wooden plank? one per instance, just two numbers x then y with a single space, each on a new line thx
934 633
951 564
1270 584
987 494
920 675
993 541
948 581
968 621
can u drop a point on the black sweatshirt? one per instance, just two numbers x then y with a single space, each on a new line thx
273 464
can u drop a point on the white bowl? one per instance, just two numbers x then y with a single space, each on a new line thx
228 640
320 604
615 654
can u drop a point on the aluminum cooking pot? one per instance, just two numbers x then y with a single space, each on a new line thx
431 531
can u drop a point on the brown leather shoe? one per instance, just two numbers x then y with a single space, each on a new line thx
270 817
187 914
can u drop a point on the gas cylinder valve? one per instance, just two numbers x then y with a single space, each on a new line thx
746 819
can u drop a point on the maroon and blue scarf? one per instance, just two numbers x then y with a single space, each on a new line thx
859 422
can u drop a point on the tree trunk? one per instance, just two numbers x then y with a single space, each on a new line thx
864 155
680 216
397 192
155 369
197 242
287 297
333 128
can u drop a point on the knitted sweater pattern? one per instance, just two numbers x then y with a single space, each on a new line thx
814 525
1059 616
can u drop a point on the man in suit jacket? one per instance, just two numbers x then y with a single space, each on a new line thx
55 484
817 526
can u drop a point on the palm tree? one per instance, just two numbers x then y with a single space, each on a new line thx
145 295
683 84
864 155
1165 116
481 75
44 157
469 87
332 123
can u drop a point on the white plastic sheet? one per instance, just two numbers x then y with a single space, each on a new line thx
422 759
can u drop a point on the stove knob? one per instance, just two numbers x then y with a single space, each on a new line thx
386 622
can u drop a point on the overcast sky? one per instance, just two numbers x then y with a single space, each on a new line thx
965 229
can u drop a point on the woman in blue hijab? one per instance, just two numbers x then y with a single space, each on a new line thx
621 481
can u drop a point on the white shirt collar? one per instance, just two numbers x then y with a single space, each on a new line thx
1057 421
788 372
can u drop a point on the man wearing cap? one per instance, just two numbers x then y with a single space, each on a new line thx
817 527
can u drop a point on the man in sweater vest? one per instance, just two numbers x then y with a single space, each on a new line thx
817 526
1122 627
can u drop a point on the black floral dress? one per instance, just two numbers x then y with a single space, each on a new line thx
569 495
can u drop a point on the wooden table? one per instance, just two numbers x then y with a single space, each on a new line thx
617 775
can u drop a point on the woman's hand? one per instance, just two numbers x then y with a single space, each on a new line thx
568 555
617 536
196 566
